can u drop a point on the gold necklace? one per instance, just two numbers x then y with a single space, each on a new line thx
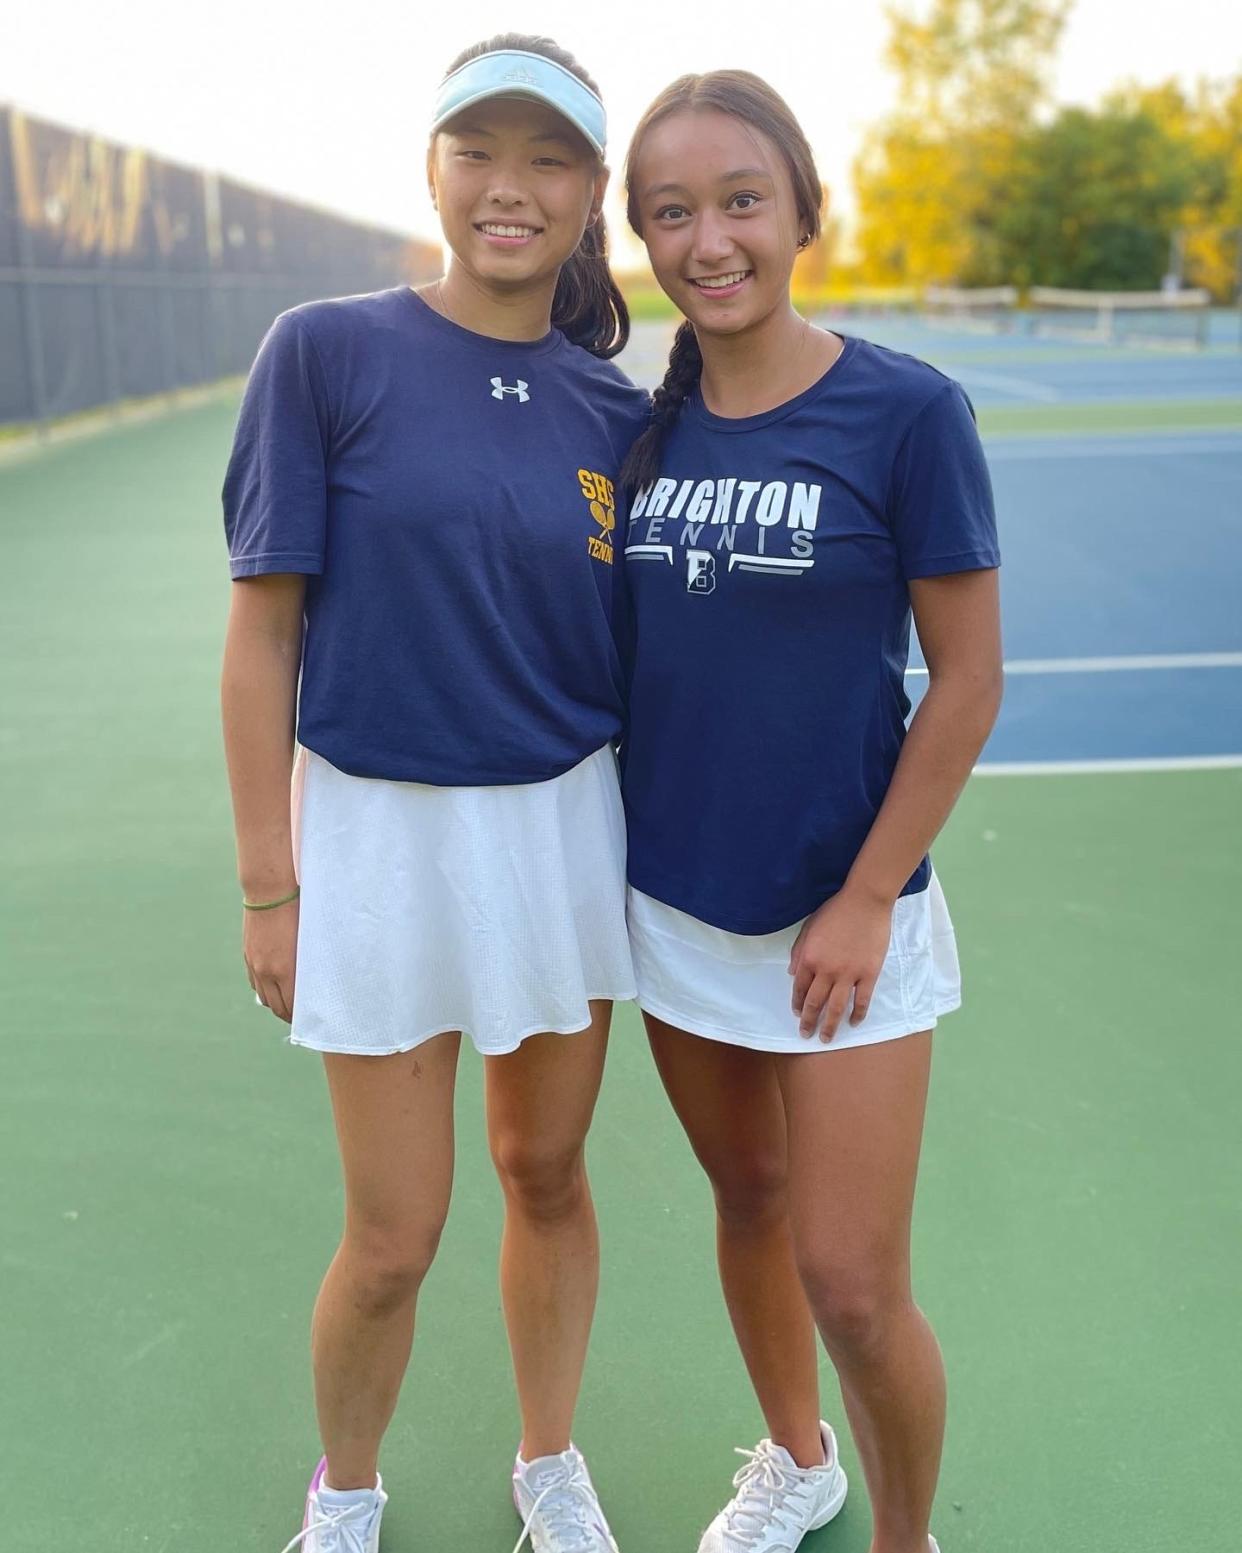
435 301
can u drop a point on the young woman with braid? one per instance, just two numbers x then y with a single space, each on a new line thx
797 496
420 513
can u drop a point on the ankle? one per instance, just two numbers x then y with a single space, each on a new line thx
536 1446
350 1482
806 1446
904 1544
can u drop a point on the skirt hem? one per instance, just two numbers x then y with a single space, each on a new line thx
780 1046
293 1039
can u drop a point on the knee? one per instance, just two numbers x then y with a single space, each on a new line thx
750 1191
387 1266
546 1181
855 1305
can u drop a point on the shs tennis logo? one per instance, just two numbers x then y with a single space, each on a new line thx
601 499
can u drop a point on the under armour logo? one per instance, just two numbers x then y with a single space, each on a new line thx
499 390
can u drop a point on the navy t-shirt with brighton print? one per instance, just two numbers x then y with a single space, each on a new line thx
769 568
451 500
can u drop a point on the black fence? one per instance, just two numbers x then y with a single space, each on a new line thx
124 276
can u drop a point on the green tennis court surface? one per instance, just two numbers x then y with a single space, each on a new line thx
172 1194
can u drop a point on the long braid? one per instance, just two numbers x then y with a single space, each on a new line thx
685 366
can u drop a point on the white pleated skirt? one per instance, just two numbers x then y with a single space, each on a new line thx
496 911
736 987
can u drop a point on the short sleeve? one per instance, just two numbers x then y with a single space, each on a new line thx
940 503
275 488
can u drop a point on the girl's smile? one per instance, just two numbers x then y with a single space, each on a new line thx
514 185
718 286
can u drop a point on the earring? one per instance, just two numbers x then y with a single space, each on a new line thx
805 240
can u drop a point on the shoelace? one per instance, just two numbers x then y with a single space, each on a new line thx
566 1503
352 1538
762 1485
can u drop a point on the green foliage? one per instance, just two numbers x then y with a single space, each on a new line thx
931 177
1093 201
1206 128
971 181
980 63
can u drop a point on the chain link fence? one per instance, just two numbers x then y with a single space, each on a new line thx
123 276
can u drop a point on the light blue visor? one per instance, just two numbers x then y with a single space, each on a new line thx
514 73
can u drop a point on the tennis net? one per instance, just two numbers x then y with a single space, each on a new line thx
1178 319
971 309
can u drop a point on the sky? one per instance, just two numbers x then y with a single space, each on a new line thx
329 103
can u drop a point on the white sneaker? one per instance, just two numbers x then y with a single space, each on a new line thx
777 1502
329 1526
559 1507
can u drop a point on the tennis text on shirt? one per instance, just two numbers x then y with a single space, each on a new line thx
601 495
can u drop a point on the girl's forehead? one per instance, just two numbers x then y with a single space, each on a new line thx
701 145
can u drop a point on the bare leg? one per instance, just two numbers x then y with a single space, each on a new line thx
728 1100
394 1122
855 1120
540 1100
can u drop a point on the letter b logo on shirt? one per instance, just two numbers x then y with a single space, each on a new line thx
500 389
701 571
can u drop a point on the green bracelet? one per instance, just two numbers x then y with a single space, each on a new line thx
272 905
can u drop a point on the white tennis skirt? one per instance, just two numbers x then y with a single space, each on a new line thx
496 911
736 987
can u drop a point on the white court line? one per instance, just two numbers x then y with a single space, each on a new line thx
1003 446
1108 767
1136 663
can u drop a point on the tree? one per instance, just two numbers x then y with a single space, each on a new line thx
1092 201
972 75
1206 127
982 64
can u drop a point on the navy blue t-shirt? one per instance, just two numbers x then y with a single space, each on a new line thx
769 568
451 499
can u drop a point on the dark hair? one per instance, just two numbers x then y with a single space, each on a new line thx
587 307
746 97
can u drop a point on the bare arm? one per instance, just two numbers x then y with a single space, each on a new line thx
842 947
958 619
258 694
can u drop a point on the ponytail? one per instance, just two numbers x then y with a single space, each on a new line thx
588 307
685 366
